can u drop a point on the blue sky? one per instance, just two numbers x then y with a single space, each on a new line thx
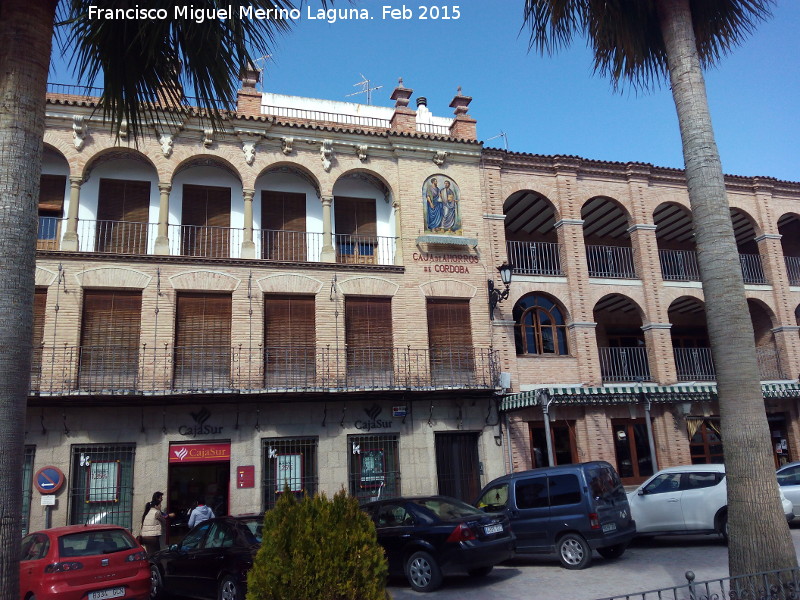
547 105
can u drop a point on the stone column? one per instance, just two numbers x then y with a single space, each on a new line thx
248 246
162 239
70 241
660 356
328 251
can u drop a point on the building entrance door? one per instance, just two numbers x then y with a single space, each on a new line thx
197 471
457 465
634 463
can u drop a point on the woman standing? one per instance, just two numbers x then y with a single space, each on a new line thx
153 522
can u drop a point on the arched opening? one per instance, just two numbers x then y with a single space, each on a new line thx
744 230
769 360
608 243
53 199
531 239
620 340
675 239
540 326
789 228
690 344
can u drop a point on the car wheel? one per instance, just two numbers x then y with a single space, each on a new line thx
229 589
422 572
156 583
480 571
610 552
574 552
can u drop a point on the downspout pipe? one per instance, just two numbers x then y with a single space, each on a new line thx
545 399
650 439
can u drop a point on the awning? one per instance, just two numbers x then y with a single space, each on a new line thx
632 394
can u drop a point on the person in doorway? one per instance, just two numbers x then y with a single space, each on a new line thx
153 524
200 513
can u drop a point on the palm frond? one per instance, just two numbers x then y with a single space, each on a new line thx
146 65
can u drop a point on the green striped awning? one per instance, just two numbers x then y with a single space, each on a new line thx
631 394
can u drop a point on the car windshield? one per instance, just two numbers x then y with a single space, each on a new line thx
93 542
254 528
605 485
447 509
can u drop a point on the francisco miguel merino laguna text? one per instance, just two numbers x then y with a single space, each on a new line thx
200 15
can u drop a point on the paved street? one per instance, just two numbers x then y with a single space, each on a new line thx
646 565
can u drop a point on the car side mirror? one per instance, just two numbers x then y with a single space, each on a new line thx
642 492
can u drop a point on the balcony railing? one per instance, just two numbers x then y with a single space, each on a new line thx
317 115
293 246
535 258
752 271
364 249
694 364
793 269
224 369
434 129
610 261
624 364
679 265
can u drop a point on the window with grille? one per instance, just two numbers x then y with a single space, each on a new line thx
206 221
289 341
202 341
368 336
289 462
450 341
539 326
374 466
39 307
122 215
27 487
284 223
101 490
51 210
110 327
356 230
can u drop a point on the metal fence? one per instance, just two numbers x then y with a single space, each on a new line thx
694 364
752 271
679 265
317 115
624 364
769 585
168 369
793 269
535 258
434 129
364 249
610 261
292 246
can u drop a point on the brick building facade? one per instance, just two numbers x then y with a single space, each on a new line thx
300 299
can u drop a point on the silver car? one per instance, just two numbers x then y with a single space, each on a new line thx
789 480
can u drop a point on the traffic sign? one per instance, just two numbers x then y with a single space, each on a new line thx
48 480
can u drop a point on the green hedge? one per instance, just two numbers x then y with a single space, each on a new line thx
318 549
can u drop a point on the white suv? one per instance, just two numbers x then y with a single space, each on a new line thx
685 500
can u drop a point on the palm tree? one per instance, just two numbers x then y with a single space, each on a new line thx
641 41
135 58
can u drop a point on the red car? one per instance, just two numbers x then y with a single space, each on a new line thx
83 562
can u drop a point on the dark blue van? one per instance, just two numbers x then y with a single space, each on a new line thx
570 510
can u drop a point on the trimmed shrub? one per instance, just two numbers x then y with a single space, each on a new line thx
318 549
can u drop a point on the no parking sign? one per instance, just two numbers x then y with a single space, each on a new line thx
48 480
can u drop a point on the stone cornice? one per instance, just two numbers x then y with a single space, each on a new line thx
581 325
768 236
650 326
563 222
641 227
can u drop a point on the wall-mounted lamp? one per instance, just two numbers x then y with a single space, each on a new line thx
495 295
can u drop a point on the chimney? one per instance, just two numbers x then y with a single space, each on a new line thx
463 125
404 120
248 99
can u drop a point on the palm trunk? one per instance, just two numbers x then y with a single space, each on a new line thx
759 536
26 30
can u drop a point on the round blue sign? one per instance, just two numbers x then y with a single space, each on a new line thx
48 480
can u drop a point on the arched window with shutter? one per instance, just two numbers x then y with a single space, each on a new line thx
539 326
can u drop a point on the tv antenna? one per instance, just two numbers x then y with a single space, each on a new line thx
366 89
503 135
260 64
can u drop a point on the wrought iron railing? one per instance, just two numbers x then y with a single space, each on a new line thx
364 249
167 369
205 241
752 271
434 129
610 261
770 585
293 246
679 265
535 258
694 364
317 115
624 364
793 269
49 234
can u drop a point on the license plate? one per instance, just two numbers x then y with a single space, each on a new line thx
489 529
117 592
606 528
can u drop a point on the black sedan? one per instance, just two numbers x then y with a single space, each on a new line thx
210 563
427 537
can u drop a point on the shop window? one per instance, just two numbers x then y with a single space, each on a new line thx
562 435
539 326
27 487
101 489
289 463
705 441
110 327
374 471
632 448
